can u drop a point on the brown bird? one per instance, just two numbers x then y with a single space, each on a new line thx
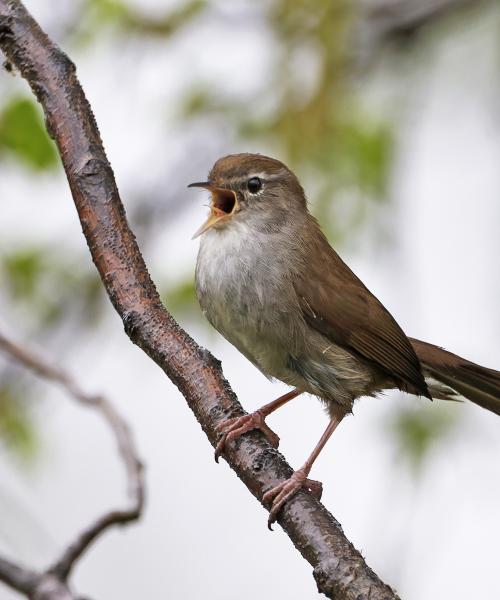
268 280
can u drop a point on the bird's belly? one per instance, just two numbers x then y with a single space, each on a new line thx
242 295
242 321
243 299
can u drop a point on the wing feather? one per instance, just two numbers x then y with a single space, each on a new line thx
337 304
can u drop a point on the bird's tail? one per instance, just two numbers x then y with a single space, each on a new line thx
449 376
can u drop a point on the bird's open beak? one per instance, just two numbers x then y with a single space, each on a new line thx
223 205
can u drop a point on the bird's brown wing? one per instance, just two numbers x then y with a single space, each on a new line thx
337 304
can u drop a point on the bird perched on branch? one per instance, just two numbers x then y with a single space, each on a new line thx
270 283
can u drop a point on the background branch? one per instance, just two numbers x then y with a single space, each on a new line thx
55 578
18 578
386 23
339 569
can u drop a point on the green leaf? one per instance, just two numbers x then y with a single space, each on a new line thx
23 270
119 13
417 430
198 101
31 274
368 149
23 134
16 429
181 298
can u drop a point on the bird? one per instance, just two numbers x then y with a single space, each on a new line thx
268 280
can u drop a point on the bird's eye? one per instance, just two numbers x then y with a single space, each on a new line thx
254 184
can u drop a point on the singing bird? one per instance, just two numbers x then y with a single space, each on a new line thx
268 280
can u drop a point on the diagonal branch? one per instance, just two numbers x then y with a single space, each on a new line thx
133 466
18 578
386 22
339 569
23 580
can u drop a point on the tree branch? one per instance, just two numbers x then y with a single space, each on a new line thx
36 586
18 578
388 21
24 580
339 569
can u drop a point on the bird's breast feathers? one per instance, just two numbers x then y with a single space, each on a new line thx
241 284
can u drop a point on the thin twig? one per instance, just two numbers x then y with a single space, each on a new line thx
19 578
124 441
339 569
52 583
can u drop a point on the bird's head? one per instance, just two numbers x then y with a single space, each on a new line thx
250 188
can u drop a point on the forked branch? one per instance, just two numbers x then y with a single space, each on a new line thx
55 577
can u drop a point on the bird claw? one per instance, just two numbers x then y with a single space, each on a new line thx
315 487
279 495
233 428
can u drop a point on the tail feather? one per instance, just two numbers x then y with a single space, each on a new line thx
478 384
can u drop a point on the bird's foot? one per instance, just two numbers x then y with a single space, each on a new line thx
233 428
277 496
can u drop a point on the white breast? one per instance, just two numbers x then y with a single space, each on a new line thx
241 283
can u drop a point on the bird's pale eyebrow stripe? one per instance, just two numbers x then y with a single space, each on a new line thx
264 175
273 176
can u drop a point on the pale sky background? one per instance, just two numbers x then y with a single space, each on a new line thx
203 535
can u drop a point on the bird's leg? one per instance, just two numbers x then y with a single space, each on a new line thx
233 428
280 494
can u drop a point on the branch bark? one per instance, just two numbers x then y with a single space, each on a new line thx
19 578
36 586
339 569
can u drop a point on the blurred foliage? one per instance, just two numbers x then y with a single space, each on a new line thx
321 131
16 428
23 134
308 109
418 429
49 286
121 16
180 298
